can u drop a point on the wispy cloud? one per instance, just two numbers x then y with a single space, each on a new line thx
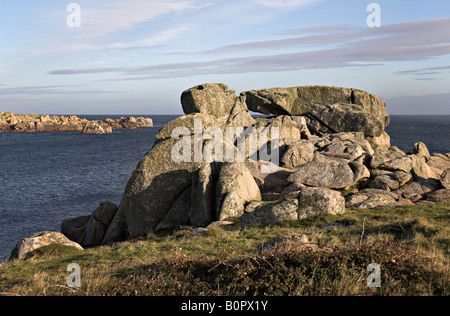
52 90
318 29
314 41
152 42
287 3
105 17
408 41
425 71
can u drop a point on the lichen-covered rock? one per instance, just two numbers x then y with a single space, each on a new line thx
382 142
445 179
269 214
212 99
417 190
421 150
155 184
192 123
306 203
371 198
344 117
90 230
202 201
268 176
235 187
25 246
95 128
316 201
385 182
298 153
297 101
421 170
333 174
287 128
382 156
404 163
439 163
239 115
346 149
438 196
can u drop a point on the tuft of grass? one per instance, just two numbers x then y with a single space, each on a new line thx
410 243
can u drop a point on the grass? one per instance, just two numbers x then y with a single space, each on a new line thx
410 243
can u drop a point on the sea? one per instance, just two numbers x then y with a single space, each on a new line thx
46 178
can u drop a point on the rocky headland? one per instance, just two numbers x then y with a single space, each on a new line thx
34 123
333 153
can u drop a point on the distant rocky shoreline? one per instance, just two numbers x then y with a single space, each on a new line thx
34 123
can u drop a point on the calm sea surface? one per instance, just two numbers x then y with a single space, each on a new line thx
49 177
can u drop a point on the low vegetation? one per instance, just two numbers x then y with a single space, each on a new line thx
410 243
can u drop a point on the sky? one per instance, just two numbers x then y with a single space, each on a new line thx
138 56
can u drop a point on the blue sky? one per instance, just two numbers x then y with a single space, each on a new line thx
137 56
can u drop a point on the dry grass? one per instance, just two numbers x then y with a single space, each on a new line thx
410 243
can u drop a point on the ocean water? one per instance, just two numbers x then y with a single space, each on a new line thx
49 177
432 130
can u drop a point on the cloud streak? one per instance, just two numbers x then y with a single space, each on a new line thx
107 17
408 41
425 71
51 90
287 3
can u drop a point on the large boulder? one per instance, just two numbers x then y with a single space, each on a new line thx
445 179
389 181
95 128
418 190
332 174
328 138
239 115
344 117
438 196
421 150
190 124
90 230
371 198
235 187
439 163
173 184
268 176
27 245
132 122
404 163
269 214
347 149
382 142
306 203
212 99
299 100
316 201
298 153
382 156
287 127
156 183
201 211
